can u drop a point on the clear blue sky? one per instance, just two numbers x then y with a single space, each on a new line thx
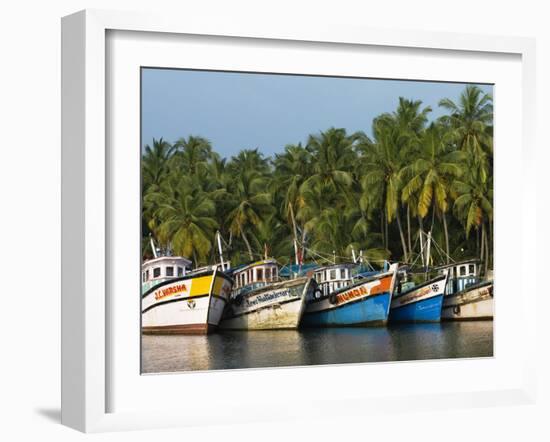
246 110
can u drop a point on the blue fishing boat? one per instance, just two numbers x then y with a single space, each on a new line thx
420 303
343 299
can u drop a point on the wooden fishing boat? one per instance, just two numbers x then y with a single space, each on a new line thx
345 300
178 300
467 296
261 301
420 303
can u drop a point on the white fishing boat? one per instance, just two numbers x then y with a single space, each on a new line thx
261 301
467 296
178 300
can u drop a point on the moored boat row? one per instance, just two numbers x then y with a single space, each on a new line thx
176 299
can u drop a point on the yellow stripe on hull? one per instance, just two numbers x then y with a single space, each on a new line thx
201 286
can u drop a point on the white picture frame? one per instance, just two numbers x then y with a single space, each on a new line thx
86 316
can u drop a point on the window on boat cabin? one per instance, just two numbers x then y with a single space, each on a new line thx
472 269
156 272
242 279
169 271
143 277
342 273
333 274
267 273
462 270
147 275
259 274
180 271
274 273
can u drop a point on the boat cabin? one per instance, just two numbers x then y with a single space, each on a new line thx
256 274
162 268
461 275
333 277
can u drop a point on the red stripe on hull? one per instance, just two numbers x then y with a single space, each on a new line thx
183 329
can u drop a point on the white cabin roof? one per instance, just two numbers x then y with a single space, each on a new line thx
164 260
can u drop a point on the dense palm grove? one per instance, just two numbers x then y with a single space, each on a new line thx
339 192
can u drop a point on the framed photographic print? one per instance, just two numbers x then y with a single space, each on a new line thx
276 210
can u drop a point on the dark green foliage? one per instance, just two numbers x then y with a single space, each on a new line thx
340 192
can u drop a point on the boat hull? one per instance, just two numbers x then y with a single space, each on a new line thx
188 305
276 306
369 311
470 303
421 304
364 303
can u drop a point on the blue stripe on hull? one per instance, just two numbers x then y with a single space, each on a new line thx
370 309
424 310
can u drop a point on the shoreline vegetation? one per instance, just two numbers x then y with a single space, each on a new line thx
336 193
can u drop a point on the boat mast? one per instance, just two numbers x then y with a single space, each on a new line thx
428 244
153 247
420 233
218 237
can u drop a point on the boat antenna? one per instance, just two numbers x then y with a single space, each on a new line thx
353 255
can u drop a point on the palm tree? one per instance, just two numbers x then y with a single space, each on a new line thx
192 155
411 121
471 120
250 201
428 179
381 164
292 168
249 159
473 204
154 163
341 229
409 117
272 234
186 217
333 157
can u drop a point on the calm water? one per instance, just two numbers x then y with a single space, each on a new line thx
279 348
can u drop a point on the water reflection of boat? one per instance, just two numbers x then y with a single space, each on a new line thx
177 300
261 301
343 300
467 295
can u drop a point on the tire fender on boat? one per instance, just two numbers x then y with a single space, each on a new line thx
332 299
